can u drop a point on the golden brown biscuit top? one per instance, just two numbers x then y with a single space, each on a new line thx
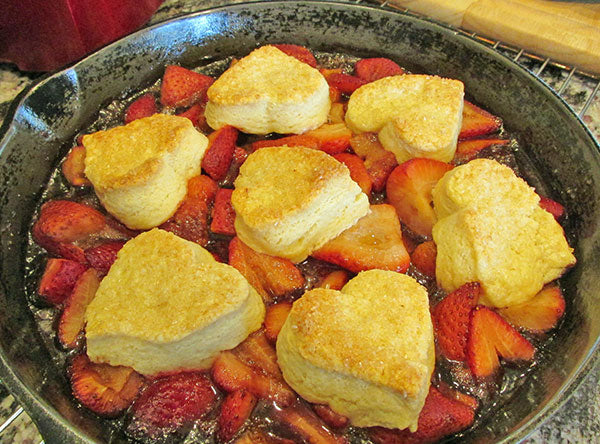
377 328
126 155
162 288
275 182
266 74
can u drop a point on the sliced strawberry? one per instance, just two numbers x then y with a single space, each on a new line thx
334 280
358 171
58 280
491 336
329 417
333 138
440 417
468 149
451 320
63 222
477 122
195 114
73 168
376 68
300 52
269 275
345 83
336 113
296 140
202 187
219 154
144 106
552 207
182 87
409 191
374 242
303 423
258 353
235 411
378 161
541 313
169 404
231 374
223 214
190 221
335 96
102 388
102 257
72 318
275 318
423 257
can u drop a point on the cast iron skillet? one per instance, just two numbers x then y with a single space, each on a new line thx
45 118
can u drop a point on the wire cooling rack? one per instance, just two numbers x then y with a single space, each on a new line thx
578 88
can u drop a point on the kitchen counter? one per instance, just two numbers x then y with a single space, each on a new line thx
578 421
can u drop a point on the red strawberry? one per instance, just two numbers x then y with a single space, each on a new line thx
73 168
296 140
72 318
182 87
423 257
377 68
468 149
219 154
303 423
375 241
334 280
195 114
552 207
378 161
440 417
345 83
202 187
258 353
358 171
300 52
190 221
335 96
275 318
333 138
329 417
223 214
235 411
540 313
451 320
59 279
477 122
409 191
63 222
102 388
452 393
144 106
231 374
269 275
326 72
102 257
491 336
170 403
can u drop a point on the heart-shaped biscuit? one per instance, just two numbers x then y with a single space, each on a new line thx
166 304
367 351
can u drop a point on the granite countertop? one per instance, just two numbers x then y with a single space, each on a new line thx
578 421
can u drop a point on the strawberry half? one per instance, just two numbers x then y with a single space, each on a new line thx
358 171
440 417
423 257
333 138
170 403
182 87
72 318
451 320
409 191
144 106
102 388
552 207
202 187
195 114
275 318
257 352
223 214
468 149
103 256
345 83
235 411
299 52
378 161
376 68
219 154
375 241
477 122
491 336
58 280
73 168
271 276
541 313
190 221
